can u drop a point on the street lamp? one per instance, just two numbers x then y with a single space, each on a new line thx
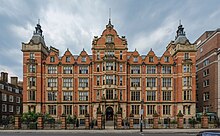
142 111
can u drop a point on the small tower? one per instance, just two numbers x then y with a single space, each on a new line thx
34 52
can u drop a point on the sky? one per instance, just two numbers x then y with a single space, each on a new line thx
73 24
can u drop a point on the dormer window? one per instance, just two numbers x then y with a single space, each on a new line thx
52 59
31 55
151 59
109 39
135 59
67 58
166 59
186 56
83 59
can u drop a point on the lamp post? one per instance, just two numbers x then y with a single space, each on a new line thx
142 111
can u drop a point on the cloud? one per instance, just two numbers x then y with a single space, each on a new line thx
72 24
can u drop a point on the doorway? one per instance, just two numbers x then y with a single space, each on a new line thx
109 113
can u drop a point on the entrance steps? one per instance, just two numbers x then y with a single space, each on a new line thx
109 123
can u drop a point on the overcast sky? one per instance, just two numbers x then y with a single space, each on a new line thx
73 24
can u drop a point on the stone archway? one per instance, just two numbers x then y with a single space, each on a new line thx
109 113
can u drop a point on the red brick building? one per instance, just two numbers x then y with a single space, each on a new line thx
111 77
208 72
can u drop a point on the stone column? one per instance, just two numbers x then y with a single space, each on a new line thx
87 121
131 121
99 120
119 120
63 122
40 124
180 120
204 121
17 122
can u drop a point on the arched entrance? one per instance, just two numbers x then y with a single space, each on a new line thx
109 113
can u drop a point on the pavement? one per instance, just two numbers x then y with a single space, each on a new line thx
111 131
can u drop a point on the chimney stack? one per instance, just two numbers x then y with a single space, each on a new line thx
14 81
4 76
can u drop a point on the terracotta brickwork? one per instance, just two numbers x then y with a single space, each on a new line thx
111 77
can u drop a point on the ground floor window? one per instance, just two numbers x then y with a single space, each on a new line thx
67 109
83 109
135 109
52 109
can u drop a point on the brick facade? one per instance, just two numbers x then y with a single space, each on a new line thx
111 77
208 72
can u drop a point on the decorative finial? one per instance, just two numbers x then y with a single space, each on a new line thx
179 22
109 25
38 22
110 15
83 49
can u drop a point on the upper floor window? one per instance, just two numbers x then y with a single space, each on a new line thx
135 69
120 80
83 82
166 59
67 96
166 69
2 86
187 94
83 59
52 82
206 62
67 58
52 59
187 81
166 82
135 109
52 96
135 59
186 55
32 68
67 82
187 68
110 53
98 68
83 70
83 109
205 83
83 96
206 96
120 55
166 95
67 70
135 95
52 69
32 81
98 55
151 69
151 95
98 80
10 88
109 65
109 79
120 68
151 59
31 55
135 82
109 39
206 72
151 82
4 97
18 99
11 98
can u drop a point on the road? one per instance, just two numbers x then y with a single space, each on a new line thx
92 134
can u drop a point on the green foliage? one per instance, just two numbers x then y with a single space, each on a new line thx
71 120
29 117
192 121
48 119
173 122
